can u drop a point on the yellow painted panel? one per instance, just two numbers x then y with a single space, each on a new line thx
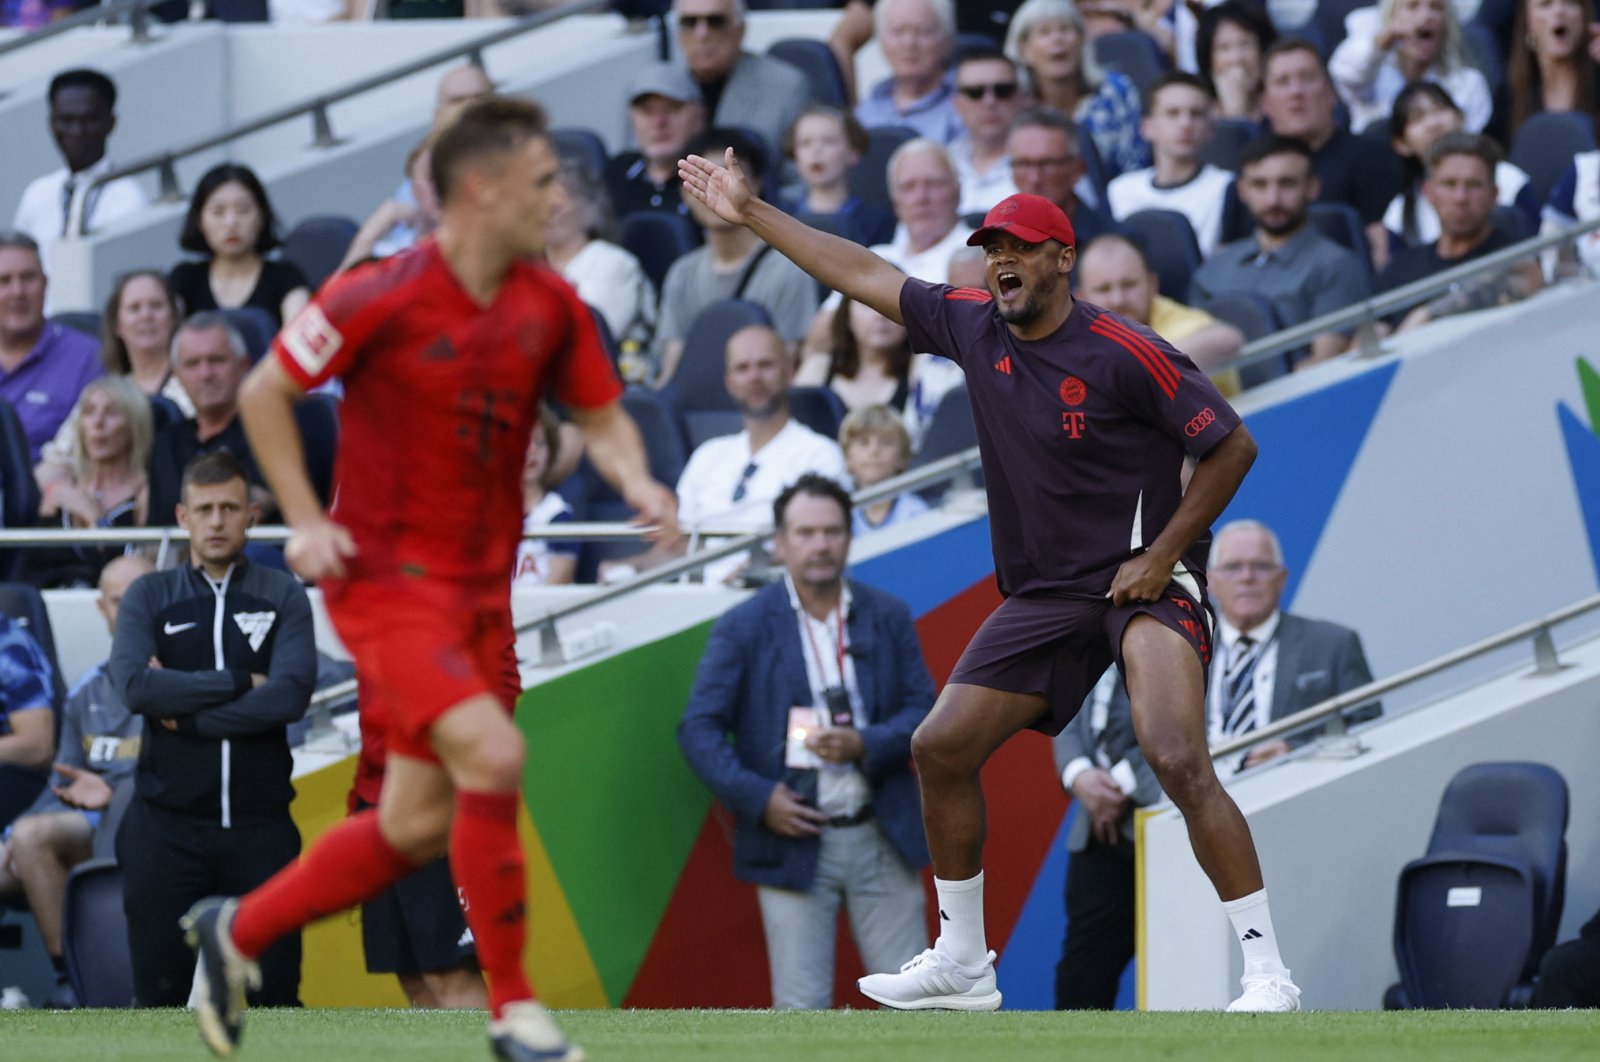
558 958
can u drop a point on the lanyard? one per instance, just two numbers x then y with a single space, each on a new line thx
805 618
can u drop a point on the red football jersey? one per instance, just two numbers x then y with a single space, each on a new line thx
441 396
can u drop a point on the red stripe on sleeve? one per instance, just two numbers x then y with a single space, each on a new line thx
1155 363
969 295
1158 356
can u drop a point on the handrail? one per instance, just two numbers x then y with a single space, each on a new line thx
1364 313
948 468
322 127
138 22
1545 662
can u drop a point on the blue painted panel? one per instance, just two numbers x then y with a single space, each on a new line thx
936 570
1583 450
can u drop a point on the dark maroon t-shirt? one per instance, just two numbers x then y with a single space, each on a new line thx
1082 434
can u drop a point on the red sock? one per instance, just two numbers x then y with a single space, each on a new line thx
347 865
487 862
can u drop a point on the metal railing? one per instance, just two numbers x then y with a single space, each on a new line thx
322 134
1365 314
1545 659
138 12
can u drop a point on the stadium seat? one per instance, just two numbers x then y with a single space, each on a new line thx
951 429
19 494
663 444
1476 913
1327 22
1340 223
657 238
1169 242
696 389
256 327
1094 168
1483 49
817 62
317 416
85 321
581 145
1132 54
870 178
818 408
318 244
1545 145
94 936
1228 138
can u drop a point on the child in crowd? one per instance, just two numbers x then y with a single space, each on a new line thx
825 144
543 561
877 447
1423 112
1177 124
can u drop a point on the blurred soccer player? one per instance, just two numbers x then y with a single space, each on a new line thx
1084 420
445 352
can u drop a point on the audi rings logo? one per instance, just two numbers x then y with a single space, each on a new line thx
1202 420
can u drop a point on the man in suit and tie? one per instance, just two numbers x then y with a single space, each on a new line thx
1098 758
819 681
1268 663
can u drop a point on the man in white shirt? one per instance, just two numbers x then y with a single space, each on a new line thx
1268 663
731 481
82 115
988 99
1177 123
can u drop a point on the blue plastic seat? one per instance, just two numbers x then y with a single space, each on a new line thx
1134 55
870 178
1545 145
696 390
657 238
94 936
816 61
318 244
1169 242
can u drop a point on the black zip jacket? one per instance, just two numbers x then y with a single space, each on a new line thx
228 762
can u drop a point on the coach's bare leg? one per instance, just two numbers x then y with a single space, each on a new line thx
1166 690
965 727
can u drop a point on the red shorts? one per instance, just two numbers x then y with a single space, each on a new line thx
1058 647
421 649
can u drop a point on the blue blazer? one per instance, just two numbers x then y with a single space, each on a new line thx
734 726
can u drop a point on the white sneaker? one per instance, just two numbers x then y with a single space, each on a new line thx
527 1033
935 981
1267 988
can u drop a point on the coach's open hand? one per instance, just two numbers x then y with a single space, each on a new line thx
723 190
318 550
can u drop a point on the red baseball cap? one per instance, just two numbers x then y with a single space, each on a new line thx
1029 217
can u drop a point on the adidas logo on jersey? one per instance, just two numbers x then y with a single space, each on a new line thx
1003 365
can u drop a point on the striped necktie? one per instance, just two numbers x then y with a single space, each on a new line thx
1238 683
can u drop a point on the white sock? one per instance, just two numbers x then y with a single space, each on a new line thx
961 919
1252 927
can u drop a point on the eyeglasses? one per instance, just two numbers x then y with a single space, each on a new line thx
1042 164
1237 569
742 487
1002 90
714 23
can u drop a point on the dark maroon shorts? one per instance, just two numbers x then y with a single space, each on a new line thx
1058 647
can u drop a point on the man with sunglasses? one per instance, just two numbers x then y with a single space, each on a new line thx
740 88
988 99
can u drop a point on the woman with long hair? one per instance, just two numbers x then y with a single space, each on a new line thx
1398 42
231 223
1048 42
1555 61
870 363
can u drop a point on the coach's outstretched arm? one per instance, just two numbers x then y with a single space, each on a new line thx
842 265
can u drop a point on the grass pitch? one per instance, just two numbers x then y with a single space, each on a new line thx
831 1036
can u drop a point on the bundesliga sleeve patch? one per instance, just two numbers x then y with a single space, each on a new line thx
312 340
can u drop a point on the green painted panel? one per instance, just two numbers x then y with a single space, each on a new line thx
1591 392
604 765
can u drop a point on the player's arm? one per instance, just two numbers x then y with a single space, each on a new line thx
318 546
1216 477
617 451
840 264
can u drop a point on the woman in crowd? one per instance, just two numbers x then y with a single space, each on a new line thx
579 245
543 561
135 341
1231 39
1047 41
1398 42
869 363
1576 198
876 447
1423 112
105 486
1555 62
231 223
